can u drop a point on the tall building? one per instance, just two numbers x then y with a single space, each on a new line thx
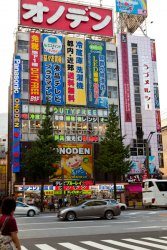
72 58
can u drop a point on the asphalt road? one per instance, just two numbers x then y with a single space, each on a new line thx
127 231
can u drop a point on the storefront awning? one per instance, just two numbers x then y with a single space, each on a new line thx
134 188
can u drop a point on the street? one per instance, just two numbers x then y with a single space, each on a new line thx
127 231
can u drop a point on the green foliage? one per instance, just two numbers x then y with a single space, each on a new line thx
114 155
39 159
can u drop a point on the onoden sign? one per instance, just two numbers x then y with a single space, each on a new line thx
77 161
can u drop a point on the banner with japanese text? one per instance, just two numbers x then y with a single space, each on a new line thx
71 17
53 89
16 114
75 71
134 7
34 70
96 74
76 160
158 120
147 83
125 76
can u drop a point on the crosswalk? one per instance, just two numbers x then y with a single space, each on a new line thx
145 243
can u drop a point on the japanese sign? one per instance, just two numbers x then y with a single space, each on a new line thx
76 160
35 86
96 74
125 75
74 183
146 83
52 69
16 114
153 51
158 120
66 16
156 97
75 71
135 7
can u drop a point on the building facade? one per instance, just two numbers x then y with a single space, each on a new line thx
81 70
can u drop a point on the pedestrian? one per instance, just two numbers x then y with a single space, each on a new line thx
8 222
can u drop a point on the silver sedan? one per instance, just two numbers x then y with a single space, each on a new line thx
24 209
89 209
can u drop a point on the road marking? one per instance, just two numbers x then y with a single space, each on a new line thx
23 248
155 240
121 244
44 247
157 246
98 246
72 246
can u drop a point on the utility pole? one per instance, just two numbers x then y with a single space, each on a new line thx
62 179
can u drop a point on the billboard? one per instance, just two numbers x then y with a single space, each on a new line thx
16 114
66 16
52 69
35 81
75 71
96 74
135 7
125 76
146 83
153 50
77 161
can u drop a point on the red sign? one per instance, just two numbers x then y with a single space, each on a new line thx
126 84
158 120
71 188
65 16
35 68
153 51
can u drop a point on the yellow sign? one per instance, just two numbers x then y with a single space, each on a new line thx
75 71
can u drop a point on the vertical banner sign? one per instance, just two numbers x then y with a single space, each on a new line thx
96 74
35 68
53 90
75 71
156 97
153 51
125 73
158 120
146 83
16 114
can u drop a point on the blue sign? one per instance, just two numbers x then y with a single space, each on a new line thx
96 74
53 87
135 7
16 114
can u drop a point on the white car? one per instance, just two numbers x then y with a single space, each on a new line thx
122 206
24 209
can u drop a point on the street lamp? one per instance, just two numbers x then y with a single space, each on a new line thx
147 152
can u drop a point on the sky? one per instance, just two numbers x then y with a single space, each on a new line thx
156 30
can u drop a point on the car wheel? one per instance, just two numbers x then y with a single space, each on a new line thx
70 216
109 215
122 208
31 213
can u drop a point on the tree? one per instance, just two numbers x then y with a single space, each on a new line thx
113 157
39 159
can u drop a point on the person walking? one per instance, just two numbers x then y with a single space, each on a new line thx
8 222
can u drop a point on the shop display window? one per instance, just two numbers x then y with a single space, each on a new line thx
102 129
25 126
35 125
58 127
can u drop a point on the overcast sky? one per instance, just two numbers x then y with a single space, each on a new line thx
8 24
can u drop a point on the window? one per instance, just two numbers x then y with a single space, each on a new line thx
135 77
111 56
25 125
138 109
134 51
111 74
112 92
136 70
23 46
25 65
137 89
25 85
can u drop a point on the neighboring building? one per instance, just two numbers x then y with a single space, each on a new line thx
3 165
82 70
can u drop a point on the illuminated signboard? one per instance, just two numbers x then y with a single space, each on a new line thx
96 74
16 114
135 7
77 161
75 71
35 82
52 69
66 16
